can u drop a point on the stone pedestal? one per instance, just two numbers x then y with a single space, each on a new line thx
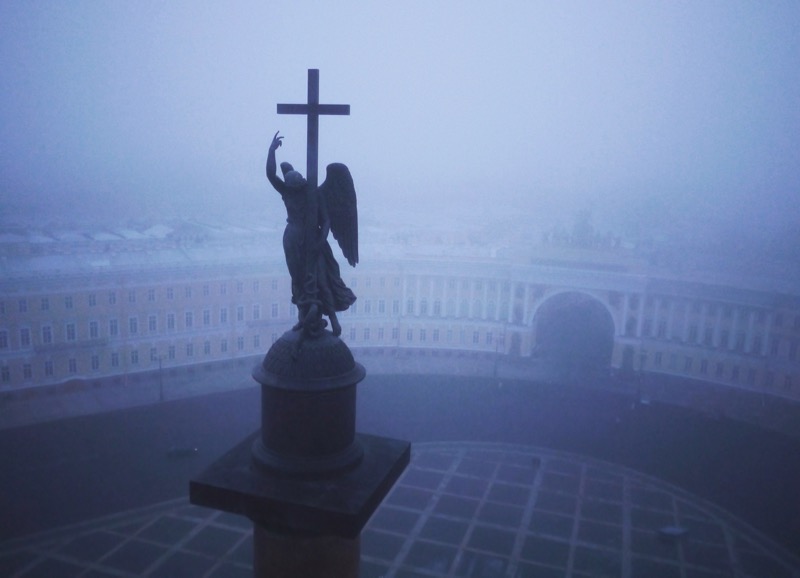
307 480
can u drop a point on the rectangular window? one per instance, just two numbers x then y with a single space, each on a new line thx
719 370
489 338
206 347
367 306
94 330
4 339
274 310
25 337
704 366
223 289
187 292
113 327
133 325
188 319
366 334
48 368
206 290
115 359
740 342
396 307
423 334
687 364
769 379
395 332
151 295
27 371
410 307
476 338
5 372
23 305
171 321
171 352
223 345
274 284
255 286
152 323
47 334
190 350
68 303
135 357
240 313
153 354
170 293
409 335
95 362
435 335
132 296
381 306
112 297
239 287
352 334
256 341
71 334
256 311
45 304
659 359
240 343
72 365
206 317
92 300
223 315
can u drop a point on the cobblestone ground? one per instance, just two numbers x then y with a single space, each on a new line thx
461 510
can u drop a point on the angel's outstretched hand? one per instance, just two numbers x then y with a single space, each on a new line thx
276 141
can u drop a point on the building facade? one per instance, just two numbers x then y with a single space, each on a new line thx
90 317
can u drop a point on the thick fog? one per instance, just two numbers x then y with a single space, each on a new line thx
668 115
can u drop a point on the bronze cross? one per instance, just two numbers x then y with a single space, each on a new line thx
312 110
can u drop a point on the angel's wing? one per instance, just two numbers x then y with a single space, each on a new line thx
340 197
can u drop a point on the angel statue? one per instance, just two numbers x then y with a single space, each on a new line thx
317 286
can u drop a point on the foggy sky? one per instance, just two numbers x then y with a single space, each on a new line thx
640 109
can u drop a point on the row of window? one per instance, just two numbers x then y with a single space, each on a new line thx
717 369
421 335
113 325
150 295
479 308
698 307
115 358
777 345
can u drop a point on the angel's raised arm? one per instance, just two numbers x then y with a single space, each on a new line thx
272 168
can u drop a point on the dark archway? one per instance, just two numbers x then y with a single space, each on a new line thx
574 334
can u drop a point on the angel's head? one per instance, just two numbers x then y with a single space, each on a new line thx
294 179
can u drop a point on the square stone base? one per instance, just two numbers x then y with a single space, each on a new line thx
338 505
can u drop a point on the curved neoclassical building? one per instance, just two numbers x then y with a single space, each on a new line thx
92 308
